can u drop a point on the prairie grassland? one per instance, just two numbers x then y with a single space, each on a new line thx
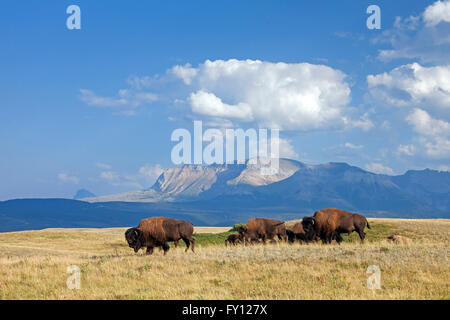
33 265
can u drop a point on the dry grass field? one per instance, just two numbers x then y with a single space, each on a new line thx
33 265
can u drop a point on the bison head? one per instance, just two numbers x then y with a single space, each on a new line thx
134 238
309 225
242 231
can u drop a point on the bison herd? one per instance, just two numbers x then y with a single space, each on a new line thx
326 225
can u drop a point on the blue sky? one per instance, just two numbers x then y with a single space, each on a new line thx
94 108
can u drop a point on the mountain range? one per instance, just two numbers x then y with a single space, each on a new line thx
232 193
299 185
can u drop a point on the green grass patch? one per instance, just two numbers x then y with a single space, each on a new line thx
215 238
211 238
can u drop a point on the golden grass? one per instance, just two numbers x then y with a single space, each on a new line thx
210 229
33 265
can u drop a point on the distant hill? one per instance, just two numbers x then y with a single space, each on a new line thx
83 193
221 195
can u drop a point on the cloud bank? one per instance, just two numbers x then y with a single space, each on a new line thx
287 96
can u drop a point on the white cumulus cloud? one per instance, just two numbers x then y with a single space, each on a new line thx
208 104
290 96
425 37
186 72
424 124
434 134
437 12
413 84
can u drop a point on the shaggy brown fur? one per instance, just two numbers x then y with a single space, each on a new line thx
329 223
157 232
265 229
298 233
298 228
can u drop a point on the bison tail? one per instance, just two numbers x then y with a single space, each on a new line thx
368 226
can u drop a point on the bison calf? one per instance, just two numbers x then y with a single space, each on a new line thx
233 239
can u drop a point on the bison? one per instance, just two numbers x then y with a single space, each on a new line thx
329 223
233 239
298 233
157 232
264 229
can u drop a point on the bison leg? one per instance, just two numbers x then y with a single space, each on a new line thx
176 243
165 247
149 250
362 235
188 242
324 238
328 237
338 238
263 239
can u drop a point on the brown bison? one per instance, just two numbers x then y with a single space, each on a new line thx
157 232
329 223
264 229
233 239
298 233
